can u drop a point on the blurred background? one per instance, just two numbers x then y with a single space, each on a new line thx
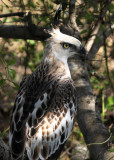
19 58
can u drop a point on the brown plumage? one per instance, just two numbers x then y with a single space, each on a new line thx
45 106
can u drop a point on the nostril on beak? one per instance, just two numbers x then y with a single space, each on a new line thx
82 50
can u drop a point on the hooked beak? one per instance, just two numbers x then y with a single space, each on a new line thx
82 50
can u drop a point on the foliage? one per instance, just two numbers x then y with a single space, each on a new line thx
8 75
4 133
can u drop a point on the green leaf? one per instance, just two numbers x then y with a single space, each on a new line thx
16 86
4 20
32 42
2 81
84 31
96 39
111 149
11 72
103 27
111 8
110 103
111 100
0 75
12 62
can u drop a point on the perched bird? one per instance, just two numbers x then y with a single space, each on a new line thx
46 103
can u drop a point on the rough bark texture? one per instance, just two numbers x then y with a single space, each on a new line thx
88 117
93 129
4 151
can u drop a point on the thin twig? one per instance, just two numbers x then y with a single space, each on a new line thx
5 4
27 57
57 15
99 77
66 151
45 7
106 141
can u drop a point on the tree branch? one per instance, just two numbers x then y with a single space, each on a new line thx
92 37
97 44
20 14
88 116
72 14
31 32
23 32
91 40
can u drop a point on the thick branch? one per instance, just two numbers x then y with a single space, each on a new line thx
32 32
93 36
72 14
88 117
20 14
23 32
97 44
97 26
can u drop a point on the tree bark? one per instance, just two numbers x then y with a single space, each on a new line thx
97 44
95 133
88 117
23 32
4 151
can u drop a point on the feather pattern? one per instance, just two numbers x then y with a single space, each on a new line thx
44 111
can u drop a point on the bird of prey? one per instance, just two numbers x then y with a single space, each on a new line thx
46 103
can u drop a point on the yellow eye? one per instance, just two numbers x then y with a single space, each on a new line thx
66 45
